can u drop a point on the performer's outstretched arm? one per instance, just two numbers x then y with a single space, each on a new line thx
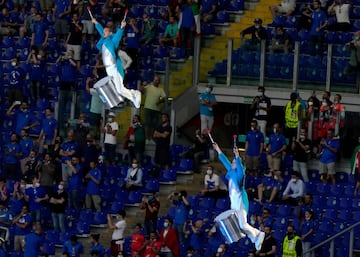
224 160
239 166
98 27
118 35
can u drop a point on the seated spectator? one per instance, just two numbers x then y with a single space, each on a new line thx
257 32
286 7
147 30
213 185
73 247
342 9
9 24
170 37
270 186
137 239
133 180
96 247
294 190
208 10
281 42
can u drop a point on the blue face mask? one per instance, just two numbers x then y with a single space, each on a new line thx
150 197
166 224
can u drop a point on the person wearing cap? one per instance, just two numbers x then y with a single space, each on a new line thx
286 7
96 246
73 247
257 32
110 129
207 102
295 190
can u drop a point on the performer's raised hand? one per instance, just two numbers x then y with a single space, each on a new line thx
123 24
93 20
236 152
216 147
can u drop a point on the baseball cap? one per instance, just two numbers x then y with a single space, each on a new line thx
258 20
111 114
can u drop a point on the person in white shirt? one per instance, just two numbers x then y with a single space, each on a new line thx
286 7
341 9
118 224
295 190
111 128
213 185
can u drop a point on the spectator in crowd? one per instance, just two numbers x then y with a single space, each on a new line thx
58 203
207 102
11 22
110 129
213 185
195 6
152 206
341 9
292 117
308 227
125 58
295 190
265 219
33 242
182 207
22 223
325 117
92 197
118 226
4 192
74 38
162 136
134 176
29 20
305 20
73 247
137 240
24 119
18 196
26 145
208 10
117 10
135 140
286 7
96 246
155 95
319 22
75 183
338 112
132 42
196 234
36 197
276 146
262 106
152 247
32 167
304 205
292 245
353 161
147 29
186 27
60 16
257 32
16 81
49 130
270 186
96 106
254 146
88 27
90 152
171 32
268 247
38 74
68 149
281 41
353 46
169 240
5 215
40 33
329 149
12 159
301 149
81 127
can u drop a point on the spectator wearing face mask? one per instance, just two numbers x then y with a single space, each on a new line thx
254 146
58 203
257 32
268 247
182 207
168 237
292 245
16 79
36 197
152 206
134 176
111 128
213 185
301 149
207 103
92 197
294 191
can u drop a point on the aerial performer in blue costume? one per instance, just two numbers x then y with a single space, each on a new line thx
108 45
239 202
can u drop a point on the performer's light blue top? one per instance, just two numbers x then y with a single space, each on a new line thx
111 43
236 179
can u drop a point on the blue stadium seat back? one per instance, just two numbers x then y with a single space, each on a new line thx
340 225
51 236
284 210
23 42
162 26
280 223
326 226
341 51
9 54
207 29
160 222
331 37
146 50
356 205
336 189
127 246
274 59
86 70
86 215
23 53
319 201
117 206
168 176
121 194
115 171
152 185
134 197
340 63
329 214
220 69
107 193
136 11
177 53
245 244
83 228
53 69
332 202
52 33
222 17
287 60
314 175
297 224
349 190
53 45
304 35
356 25
254 208
152 11
206 203
8 41
342 177
235 5
204 214
147 75
221 205
48 248
319 237
160 65
64 236
271 206
344 214
344 37
176 150
310 187
147 63
341 251
291 22
99 218
272 71
254 71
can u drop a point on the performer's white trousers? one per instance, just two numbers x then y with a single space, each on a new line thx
250 231
119 83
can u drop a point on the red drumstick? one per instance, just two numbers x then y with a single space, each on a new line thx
89 10
234 138
126 12
209 134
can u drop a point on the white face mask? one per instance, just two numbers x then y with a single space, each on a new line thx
134 165
302 137
60 187
275 130
293 180
110 119
166 224
310 103
209 172
220 250
207 90
189 254
324 104
38 56
37 184
13 64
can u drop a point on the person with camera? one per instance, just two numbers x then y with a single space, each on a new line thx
354 47
110 129
118 224
74 38
182 207
147 30
152 206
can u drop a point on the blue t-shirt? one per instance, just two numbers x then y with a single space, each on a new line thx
196 240
75 180
181 211
69 146
26 145
17 75
277 141
204 109
33 243
61 6
206 5
49 124
188 20
23 231
327 155
34 193
318 19
10 157
23 119
38 71
39 30
254 139
92 187
99 248
68 71
307 226
74 250
4 216
132 38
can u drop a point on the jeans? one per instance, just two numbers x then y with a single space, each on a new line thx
179 231
74 200
110 151
58 220
149 226
36 215
306 246
302 168
65 102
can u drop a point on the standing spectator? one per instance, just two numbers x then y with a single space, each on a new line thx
207 102
152 206
208 10
26 145
170 243
125 58
16 81
295 190
182 207
110 130
96 247
38 74
81 129
24 119
281 42
155 95
338 115
325 115
329 149
186 28
60 15
292 245
32 167
353 47
117 10
40 34
117 238
88 26
268 247
22 224
33 242
308 227
195 6
342 9
292 117
258 33
262 106
137 240
89 152
304 22
132 42
68 149
49 130
73 247
92 197
36 197
162 140
319 22
96 106
58 203
134 177
213 185
170 35
75 183
135 140
276 146
147 29
301 149
74 38
286 7
254 146
27 29
12 159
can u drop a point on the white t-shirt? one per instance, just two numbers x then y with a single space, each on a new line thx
118 232
109 138
342 13
213 181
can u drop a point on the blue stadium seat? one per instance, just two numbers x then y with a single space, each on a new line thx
86 215
120 194
283 210
152 11
177 53
171 212
332 202
8 41
48 248
222 17
162 26
151 185
147 75
336 189
344 215
342 177
222 204
349 190
340 225
314 175
281 223
207 29
204 214
147 63
86 71
304 35
9 54
99 219
185 166
136 11
235 6
23 42
168 177
116 206
356 205
326 226
323 189
206 203
291 22
160 65
83 229
146 50
319 201
329 214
